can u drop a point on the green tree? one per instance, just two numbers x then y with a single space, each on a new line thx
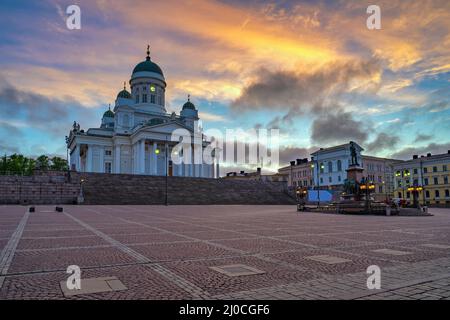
59 164
43 162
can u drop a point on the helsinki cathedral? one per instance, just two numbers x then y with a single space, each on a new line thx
135 137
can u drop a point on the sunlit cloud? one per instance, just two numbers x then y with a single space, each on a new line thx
215 51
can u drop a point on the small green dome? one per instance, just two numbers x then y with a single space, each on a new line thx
189 104
108 114
124 94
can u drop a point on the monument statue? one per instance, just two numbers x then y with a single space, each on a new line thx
354 159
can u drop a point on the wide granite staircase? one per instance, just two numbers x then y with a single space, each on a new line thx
137 189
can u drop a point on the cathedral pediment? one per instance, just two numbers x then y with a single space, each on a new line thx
167 127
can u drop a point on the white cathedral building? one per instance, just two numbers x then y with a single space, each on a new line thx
135 136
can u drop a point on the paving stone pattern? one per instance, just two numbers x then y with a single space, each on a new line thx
176 252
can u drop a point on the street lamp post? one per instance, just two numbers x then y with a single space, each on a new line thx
67 158
401 175
367 186
423 185
415 192
166 200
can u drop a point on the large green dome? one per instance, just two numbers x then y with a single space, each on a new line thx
148 66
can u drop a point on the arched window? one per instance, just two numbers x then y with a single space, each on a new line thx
330 166
339 165
436 193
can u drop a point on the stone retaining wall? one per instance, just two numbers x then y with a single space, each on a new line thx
50 187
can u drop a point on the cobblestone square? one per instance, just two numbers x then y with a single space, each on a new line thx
161 252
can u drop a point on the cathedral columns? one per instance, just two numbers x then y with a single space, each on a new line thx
102 160
217 169
89 158
154 159
166 159
142 156
191 165
117 159
76 158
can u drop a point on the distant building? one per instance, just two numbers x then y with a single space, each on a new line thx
327 170
257 175
380 171
330 165
298 173
429 173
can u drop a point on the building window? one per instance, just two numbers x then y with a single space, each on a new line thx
446 180
160 100
144 98
321 180
436 193
339 165
447 193
434 169
399 194
408 195
321 167
444 167
152 98
330 167
415 171
425 170
137 98
416 182
339 178
425 181
108 167
108 152
380 189
427 194
330 179
435 180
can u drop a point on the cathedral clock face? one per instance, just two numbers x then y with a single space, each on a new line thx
152 88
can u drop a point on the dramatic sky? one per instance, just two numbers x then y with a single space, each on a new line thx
310 68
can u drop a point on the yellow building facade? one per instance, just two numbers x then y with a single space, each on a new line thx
424 179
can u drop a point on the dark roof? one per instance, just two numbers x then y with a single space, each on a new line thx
189 105
124 94
148 66
108 114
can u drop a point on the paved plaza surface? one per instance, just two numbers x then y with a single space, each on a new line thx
222 252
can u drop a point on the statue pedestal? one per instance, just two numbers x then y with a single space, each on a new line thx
355 173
